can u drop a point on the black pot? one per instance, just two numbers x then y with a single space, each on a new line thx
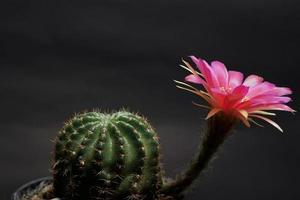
17 195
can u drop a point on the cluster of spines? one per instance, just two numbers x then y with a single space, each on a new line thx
103 156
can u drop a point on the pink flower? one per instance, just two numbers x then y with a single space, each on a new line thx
228 92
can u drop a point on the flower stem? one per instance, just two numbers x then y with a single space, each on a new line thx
218 128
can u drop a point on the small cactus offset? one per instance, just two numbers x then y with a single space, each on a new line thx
107 156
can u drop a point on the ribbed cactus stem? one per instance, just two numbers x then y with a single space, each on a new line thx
107 156
218 129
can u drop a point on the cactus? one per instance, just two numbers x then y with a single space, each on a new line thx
107 156
116 156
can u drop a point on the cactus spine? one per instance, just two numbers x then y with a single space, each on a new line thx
107 156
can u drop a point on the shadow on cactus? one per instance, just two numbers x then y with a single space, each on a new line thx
117 155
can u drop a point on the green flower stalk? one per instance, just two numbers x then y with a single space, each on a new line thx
217 131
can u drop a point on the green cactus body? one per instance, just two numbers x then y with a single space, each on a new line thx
107 156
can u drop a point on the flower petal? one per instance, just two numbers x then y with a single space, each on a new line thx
195 60
207 72
221 73
194 79
266 100
240 91
260 89
235 79
252 80
280 107
218 97
237 95
280 91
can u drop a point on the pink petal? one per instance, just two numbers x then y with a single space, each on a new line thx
218 91
218 97
240 91
237 95
195 60
260 89
221 73
270 100
280 107
262 101
235 79
207 72
194 79
280 91
252 80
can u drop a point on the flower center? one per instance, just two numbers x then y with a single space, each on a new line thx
226 90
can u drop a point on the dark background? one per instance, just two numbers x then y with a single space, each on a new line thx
61 57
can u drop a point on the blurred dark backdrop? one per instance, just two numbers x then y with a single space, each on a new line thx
61 57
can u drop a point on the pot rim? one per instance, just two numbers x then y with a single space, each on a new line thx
20 191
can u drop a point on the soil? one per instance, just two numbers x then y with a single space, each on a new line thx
42 192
